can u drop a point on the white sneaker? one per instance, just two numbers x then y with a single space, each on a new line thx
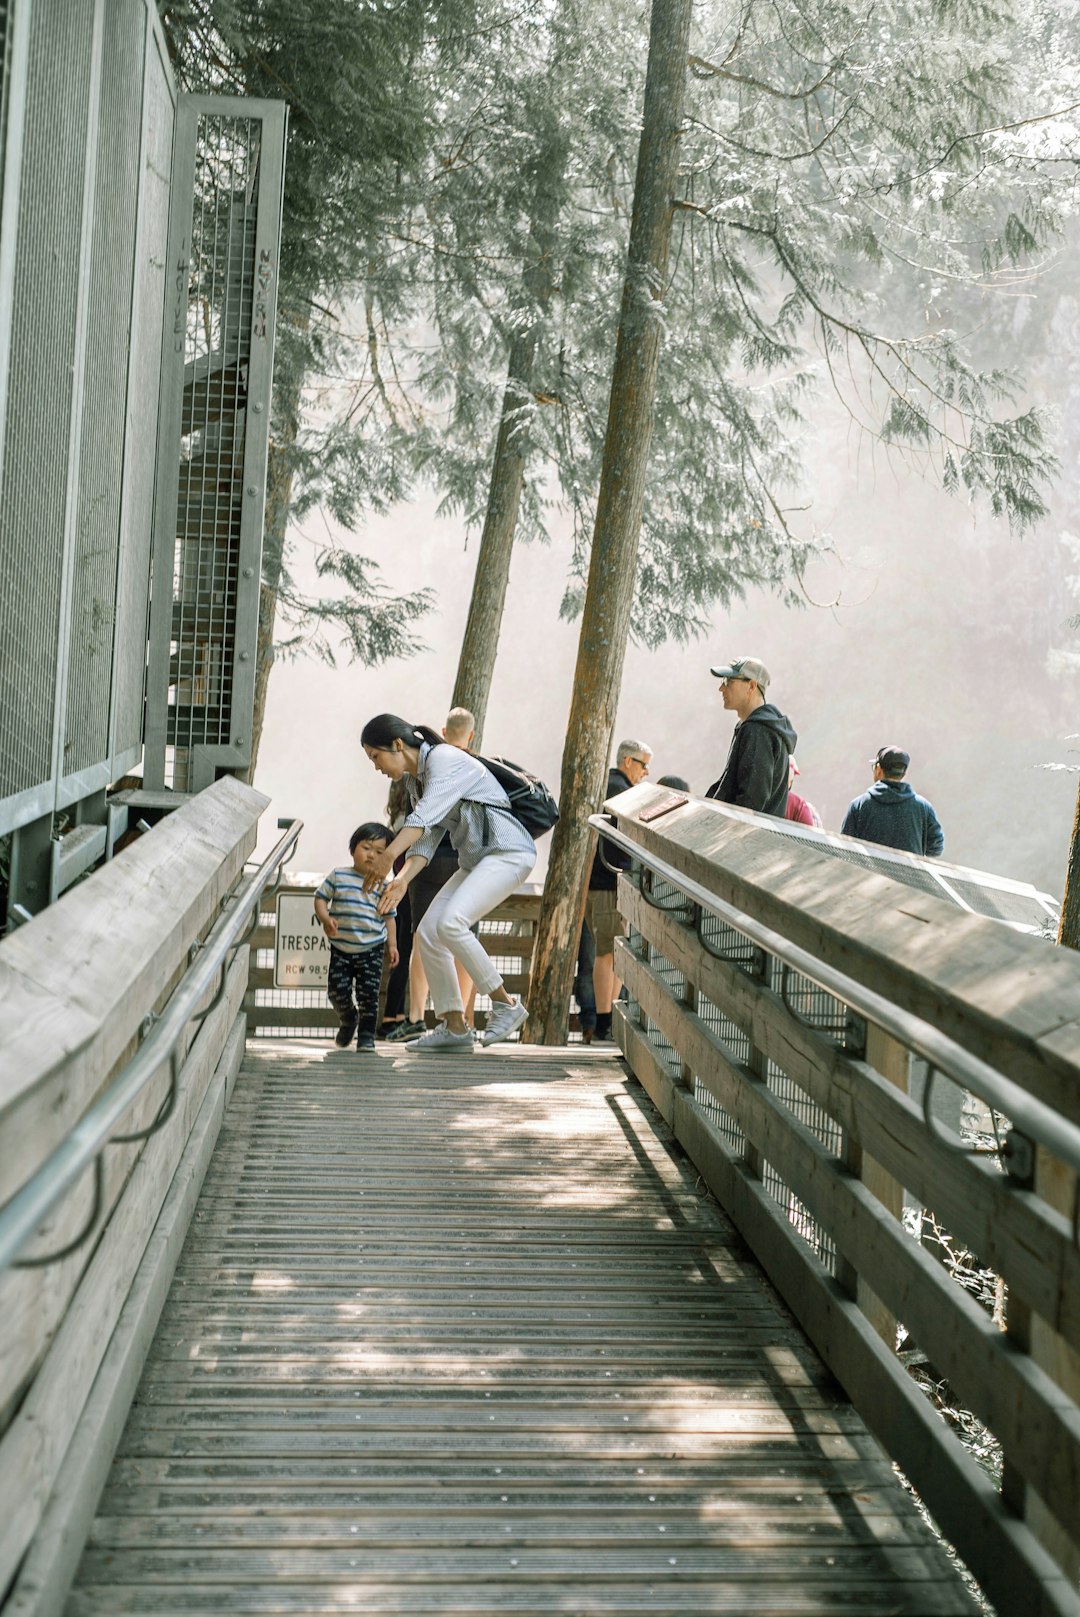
503 1020
440 1037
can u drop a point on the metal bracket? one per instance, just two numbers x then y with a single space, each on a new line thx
199 1017
164 1111
84 1233
1018 1156
645 887
1000 1147
754 966
616 870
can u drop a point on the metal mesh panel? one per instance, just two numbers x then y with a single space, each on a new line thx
93 604
830 1017
999 902
217 349
731 946
133 578
34 492
322 1021
901 870
7 23
981 891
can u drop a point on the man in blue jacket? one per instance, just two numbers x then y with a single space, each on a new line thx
891 813
756 773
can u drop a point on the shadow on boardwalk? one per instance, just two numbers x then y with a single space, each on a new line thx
463 1336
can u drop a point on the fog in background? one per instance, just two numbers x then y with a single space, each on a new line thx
949 640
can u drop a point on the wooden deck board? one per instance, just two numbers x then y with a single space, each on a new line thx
466 1337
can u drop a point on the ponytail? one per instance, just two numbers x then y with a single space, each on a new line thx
386 728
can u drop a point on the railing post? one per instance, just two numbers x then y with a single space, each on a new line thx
892 1060
1054 1184
689 998
757 1061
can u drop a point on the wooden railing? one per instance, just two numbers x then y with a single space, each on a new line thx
507 934
81 988
781 1003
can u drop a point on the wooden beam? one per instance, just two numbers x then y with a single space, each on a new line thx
1001 1551
1011 1231
76 982
1010 999
33 1447
49 1566
1037 1424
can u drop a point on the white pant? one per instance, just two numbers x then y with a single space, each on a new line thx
443 935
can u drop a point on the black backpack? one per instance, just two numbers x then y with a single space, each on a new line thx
530 801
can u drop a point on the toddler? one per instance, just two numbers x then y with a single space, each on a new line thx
358 937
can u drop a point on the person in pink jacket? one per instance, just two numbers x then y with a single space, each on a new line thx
798 808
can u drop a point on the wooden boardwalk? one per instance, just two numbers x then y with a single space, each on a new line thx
462 1336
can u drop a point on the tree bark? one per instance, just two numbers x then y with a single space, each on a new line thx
1069 924
480 645
610 589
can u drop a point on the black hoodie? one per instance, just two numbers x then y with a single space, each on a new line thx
756 773
601 879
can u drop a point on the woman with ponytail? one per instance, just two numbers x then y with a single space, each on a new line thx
451 791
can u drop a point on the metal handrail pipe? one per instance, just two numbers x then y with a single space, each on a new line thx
23 1215
1027 1114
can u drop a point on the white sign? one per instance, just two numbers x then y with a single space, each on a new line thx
301 947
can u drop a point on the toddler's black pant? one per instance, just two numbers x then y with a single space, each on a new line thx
360 973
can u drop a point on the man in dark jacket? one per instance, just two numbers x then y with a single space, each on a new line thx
601 909
756 773
891 813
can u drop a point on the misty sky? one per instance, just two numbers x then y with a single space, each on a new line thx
940 644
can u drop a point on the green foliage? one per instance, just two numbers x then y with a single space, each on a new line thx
459 178
364 83
370 622
854 169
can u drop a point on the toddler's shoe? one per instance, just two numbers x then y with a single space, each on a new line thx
365 1042
343 1036
440 1038
503 1019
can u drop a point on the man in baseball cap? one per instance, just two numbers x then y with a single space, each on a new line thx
890 813
756 773
744 668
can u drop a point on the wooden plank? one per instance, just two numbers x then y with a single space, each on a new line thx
47 1570
76 982
33 1301
33 1447
1012 1232
1012 1567
511 1596
1011 999
1038 1425
1061 1360
650 1416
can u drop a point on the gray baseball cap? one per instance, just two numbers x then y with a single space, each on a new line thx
743 668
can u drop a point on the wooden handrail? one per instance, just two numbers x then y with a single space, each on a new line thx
807 1140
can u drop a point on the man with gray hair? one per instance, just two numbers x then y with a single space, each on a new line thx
601 911
460 728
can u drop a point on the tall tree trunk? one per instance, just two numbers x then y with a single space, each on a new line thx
609 594
1069 925
279 480
480 645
